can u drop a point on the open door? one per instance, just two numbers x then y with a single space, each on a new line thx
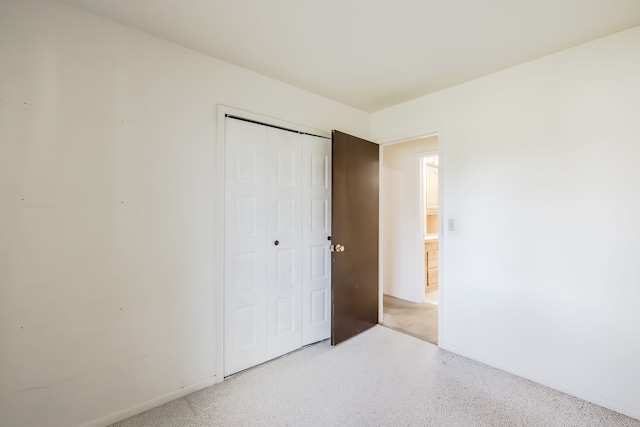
354 218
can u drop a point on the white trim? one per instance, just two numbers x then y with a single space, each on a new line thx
219 242
399 138
380 237
442 237
223 110
150 404
420 221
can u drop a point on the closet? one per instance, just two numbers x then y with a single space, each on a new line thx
277 230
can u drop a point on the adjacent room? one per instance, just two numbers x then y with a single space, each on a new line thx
410 203
207 209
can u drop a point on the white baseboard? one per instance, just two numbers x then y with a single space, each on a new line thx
581 394
149 404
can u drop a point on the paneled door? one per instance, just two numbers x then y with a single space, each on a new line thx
277 221
316 221
284 241
245 264
354 262
432 189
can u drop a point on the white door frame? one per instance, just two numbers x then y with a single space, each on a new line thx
218 303
438 130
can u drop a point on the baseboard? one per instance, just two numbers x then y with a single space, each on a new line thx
581 394
149 404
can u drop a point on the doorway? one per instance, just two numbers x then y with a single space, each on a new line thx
410 238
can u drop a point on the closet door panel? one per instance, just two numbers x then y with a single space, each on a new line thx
245 234
277 259
316 217
284 259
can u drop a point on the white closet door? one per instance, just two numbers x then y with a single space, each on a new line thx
316 265
284 259
277 190
245 237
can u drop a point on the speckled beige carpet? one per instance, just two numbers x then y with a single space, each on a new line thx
379 378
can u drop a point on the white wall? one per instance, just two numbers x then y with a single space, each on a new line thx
107 213
107 179
536 159
402 225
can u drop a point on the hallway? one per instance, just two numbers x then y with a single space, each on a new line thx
417 320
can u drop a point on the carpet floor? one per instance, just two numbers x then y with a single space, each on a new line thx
418 320
379 378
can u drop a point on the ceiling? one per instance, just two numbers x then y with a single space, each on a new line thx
372 54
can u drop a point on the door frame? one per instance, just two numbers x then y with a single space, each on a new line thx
439 130
219 218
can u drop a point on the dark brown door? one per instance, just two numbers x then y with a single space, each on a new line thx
354 230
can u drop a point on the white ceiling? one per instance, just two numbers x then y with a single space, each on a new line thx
372 54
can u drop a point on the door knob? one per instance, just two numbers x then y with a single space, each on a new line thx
276 243
339 248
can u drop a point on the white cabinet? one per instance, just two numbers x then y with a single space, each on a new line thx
277 263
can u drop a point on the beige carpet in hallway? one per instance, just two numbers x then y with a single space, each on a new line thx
418 320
